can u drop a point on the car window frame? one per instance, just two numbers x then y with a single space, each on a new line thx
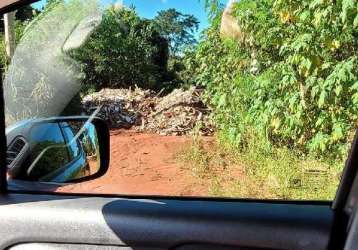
15 4
3 140
342 193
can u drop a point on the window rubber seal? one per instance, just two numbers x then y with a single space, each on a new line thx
3 144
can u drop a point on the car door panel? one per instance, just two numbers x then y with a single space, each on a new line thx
161 223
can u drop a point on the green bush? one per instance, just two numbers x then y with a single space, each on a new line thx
124 51
291 82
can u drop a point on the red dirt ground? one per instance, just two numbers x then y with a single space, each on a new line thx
144 164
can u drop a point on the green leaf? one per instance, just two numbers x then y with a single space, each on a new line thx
319 121
304 15
337 133
315 3
355 22
222 101
346 6
322 98
355 85
338 90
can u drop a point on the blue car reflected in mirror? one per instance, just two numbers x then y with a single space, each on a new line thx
52 150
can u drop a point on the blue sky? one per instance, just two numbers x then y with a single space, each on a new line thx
149 8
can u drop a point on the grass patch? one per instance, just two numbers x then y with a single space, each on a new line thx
278 173
196 157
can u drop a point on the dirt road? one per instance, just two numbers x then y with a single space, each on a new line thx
145 164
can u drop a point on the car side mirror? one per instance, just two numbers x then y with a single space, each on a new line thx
58 150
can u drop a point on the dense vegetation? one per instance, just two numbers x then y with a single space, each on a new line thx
291 80
284 95
125 49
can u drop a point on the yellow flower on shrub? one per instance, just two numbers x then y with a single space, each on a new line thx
286 16
334 45
304 72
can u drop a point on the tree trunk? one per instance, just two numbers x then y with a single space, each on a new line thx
10 39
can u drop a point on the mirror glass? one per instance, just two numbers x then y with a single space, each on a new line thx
57 151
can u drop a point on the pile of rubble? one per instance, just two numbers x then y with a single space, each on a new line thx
178 113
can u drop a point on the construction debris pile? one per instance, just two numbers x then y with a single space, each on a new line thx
179 113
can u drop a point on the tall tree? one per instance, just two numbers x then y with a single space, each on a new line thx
26 13
179 29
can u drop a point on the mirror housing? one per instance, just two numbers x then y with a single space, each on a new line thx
39 150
